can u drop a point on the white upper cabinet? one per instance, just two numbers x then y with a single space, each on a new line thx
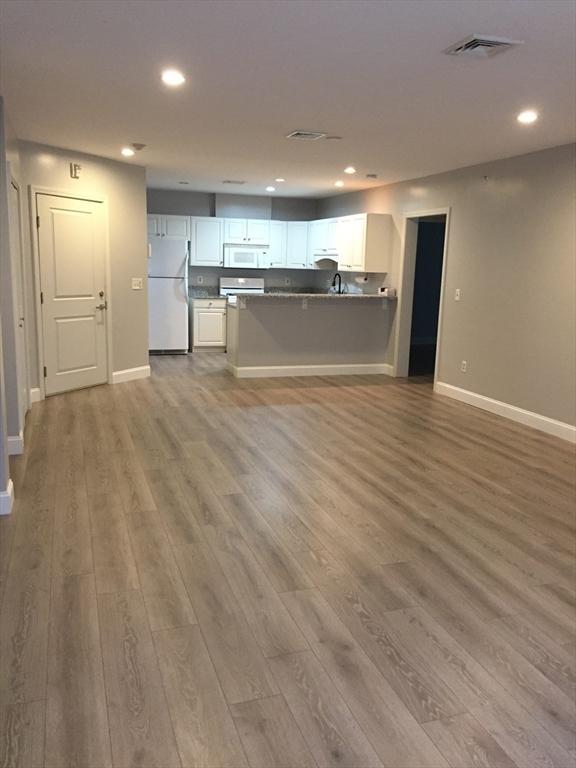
364 243
323 240
277 249
358 243
351 233
297 244
206 242
154 226
177 227
258 232
235 231
246 231
172 227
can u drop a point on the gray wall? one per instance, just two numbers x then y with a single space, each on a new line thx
184 203
278 331
287 280
124 186
511 251
170 201
243 206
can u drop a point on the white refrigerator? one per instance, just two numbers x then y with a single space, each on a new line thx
168 296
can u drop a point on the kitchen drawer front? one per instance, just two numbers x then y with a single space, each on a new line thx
209 303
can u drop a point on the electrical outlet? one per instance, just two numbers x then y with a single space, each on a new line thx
457 294
464 366
137 283
199 279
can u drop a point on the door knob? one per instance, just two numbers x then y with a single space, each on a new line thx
102 306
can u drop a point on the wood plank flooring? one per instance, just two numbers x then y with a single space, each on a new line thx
349 572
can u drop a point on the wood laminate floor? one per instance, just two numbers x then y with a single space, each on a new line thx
351 571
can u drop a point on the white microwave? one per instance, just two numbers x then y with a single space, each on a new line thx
246 257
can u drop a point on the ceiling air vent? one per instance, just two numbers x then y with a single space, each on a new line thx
481 46
306 135
233 181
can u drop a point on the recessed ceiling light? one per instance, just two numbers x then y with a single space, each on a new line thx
173 78
339 183
279 180
527 117
127 152
350 169
270 189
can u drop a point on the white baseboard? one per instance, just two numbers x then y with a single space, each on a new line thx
15 444
35 395
266 371
119 377
7 499
528 418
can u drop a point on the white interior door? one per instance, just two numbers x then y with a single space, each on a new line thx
20 301
71 245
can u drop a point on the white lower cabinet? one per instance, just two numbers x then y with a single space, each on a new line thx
209 322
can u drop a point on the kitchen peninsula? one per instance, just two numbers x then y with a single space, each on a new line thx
295 334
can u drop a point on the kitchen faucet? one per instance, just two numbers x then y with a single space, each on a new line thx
339 276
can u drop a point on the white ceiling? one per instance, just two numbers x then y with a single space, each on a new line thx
85 75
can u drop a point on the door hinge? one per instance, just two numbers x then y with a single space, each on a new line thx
45 373
37 222
41 297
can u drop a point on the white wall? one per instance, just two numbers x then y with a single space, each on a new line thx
511 251
124 186
7 298
5 504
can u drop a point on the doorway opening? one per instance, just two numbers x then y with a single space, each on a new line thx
426 297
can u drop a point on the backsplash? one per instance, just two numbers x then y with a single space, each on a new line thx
204 281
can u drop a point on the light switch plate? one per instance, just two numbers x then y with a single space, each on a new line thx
137 283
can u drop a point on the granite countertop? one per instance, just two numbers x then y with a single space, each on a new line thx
294 295
283 295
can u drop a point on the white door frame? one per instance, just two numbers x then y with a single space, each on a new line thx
33 192
409 242
23 275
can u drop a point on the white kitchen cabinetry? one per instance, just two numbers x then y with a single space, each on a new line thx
323 240
364 243
351 231
209 323
247 231
297 244
172 227
206 242
154 225
277 249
